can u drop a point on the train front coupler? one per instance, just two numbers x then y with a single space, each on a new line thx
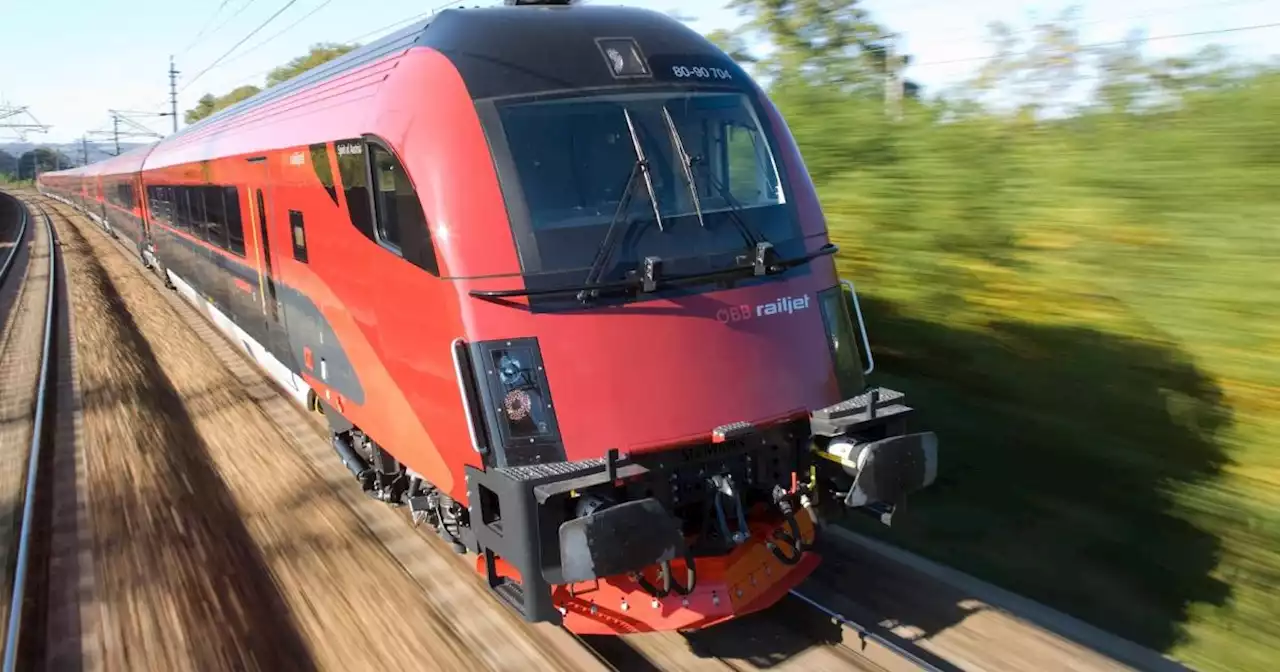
539 526
864 457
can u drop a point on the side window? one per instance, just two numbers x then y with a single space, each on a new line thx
400 222
157 203
299 234
355 184
182 208
199 222
170 203
235 226
324 172
390 183
215 215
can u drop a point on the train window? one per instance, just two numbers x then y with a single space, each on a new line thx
355 184
215 214
324 172
157 203
299 236
235 227
391 184
401 224
169 203
182 208
124 196
199 220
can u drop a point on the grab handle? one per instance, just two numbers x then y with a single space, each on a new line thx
862 326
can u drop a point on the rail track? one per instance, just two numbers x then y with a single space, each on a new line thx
28 609
848 644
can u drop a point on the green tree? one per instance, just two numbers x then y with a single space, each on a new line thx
208 103
320 53
1069 261
47 160
822 42
733 44
8 164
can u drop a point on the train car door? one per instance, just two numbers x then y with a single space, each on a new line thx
274 337
139 208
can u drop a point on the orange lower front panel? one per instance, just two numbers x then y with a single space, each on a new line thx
748 579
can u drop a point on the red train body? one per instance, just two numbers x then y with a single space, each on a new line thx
558 280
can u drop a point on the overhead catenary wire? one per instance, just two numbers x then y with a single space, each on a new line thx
277 34
354 39
244 39
208 22
965 36
1114 43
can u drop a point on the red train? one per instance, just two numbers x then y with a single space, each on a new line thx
559 282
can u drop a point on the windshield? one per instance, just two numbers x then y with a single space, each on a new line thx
573 159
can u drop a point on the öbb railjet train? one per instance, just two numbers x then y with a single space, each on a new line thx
559 282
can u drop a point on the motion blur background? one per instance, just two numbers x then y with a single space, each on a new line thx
1070 261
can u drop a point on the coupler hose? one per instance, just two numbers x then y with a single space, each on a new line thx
668 582
664 570
691 575
795 539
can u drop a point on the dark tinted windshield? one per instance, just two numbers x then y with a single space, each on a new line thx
573 157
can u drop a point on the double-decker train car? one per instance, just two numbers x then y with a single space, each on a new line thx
557 279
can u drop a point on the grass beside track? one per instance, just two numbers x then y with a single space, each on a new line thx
1089 315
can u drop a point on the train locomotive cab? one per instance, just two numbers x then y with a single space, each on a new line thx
659 369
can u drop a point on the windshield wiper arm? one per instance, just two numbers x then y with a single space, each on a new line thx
735 211
644 167
776 266
611 237
686 162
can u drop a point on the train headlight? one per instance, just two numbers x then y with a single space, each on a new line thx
517 401
842 341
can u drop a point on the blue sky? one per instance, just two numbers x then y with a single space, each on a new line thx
72 60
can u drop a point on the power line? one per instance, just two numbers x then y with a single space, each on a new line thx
224 60
357 38
205 27
229 19
397 24
214 64
1116 43
286 29
404 22
18 125
1217 5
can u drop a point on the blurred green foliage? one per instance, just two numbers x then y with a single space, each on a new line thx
1081 293
318 54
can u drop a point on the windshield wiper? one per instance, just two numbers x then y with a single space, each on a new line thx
644 167
611 236
686 162
776 266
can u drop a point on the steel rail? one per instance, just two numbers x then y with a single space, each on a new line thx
864 633
29 497
17 242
